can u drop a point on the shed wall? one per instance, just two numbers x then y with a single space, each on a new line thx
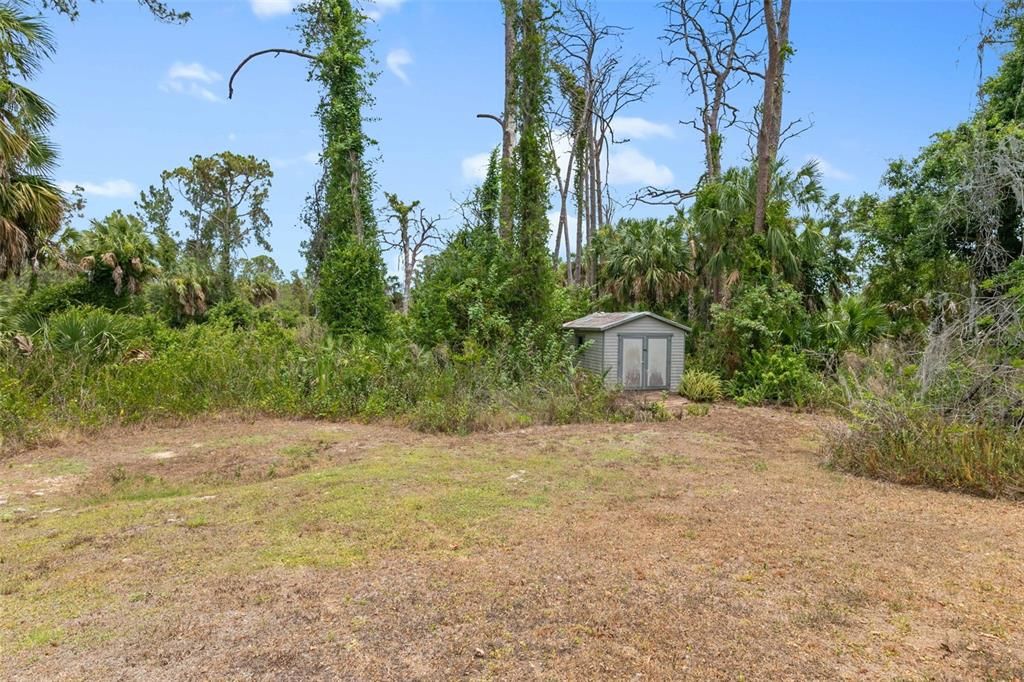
593 357
644 325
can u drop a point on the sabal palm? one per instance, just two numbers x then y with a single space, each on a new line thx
644 262
117 250
718 229
31 205
722 220
854 323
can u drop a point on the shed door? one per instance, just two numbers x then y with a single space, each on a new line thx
632 349
645 360
657 362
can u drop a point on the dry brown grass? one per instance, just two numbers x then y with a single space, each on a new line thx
709 547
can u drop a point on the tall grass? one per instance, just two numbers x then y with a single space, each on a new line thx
98 368
915 446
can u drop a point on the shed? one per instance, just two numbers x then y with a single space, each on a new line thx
635 350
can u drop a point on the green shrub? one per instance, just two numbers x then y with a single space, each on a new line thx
236 312
697 410
759 319
700 386
90 367
22 417
913 445
351 298
778 377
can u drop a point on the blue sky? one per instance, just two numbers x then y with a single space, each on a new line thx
135 97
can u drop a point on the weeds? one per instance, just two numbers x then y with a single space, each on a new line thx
130 372
917 447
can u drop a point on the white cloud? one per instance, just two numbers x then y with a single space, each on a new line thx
828 171
637 128
310 157
271 8
375 9
192 72
191 79
117 189
563 146
474 168
397 60
630 167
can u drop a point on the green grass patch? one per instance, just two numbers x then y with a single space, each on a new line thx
146 535
59 466
42 636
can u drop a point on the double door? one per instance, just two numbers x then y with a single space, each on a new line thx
645 361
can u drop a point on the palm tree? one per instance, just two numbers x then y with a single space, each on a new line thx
182 292
31 205
116 253
722 229
853 323
643 262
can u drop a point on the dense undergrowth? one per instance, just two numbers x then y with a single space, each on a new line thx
916 447
86 368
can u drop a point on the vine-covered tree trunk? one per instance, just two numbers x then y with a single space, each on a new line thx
351 297
532 227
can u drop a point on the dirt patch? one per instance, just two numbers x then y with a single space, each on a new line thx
710 547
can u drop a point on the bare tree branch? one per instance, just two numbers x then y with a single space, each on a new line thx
276 51
654 196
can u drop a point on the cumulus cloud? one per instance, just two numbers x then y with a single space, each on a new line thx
637 128
627 166
116 189
396 61
193 71
191 79
271 8
829 171
310 157
474 168
375 9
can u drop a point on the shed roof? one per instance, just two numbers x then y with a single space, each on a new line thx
599 322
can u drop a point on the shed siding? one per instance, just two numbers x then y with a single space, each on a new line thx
644 325
593 357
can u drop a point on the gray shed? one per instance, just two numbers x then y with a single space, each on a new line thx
638 351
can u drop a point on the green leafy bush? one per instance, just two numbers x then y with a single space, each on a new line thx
761 318
779 377
352 298
700 386
236 312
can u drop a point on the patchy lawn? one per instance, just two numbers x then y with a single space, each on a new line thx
710 547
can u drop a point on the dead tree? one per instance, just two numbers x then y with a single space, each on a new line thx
717 52
598 84
776 22
414 232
